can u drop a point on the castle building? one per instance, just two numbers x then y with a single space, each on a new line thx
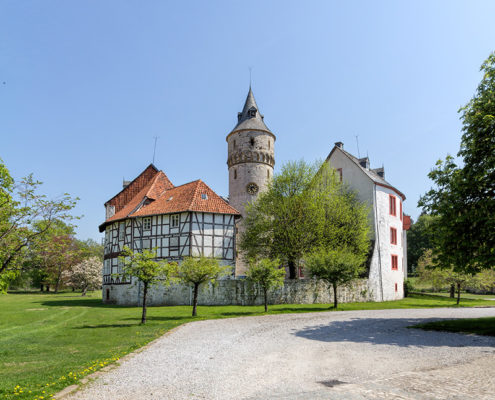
192 220
178 221
251 158
388 263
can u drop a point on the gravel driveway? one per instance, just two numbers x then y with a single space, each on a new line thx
335 355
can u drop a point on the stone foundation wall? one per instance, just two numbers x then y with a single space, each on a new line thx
237 292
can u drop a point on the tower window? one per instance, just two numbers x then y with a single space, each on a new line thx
268 173
251 140
252 112
234 144
235 174
268 144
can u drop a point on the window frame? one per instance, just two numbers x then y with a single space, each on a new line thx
174 220
147 223
339 170
392 205
394 259
393 235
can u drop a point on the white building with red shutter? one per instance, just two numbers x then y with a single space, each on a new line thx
388 261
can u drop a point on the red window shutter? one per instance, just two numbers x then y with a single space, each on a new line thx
396 287
400 210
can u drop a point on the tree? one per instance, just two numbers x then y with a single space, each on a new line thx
335 267
21 206
463 199
198 271
419 239
282 223
268 274
85 276
144 267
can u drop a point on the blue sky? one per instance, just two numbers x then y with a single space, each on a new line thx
86 85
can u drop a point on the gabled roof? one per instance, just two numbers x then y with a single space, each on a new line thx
248 122
157 197
368 172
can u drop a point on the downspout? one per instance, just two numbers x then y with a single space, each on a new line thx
377 228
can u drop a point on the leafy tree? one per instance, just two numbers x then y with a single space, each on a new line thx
463 199
91 248
419 239
144 267
268 274
198 271
21 206
85 275
335 267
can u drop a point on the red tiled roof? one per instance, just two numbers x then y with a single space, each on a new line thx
157 197
121 199
406 223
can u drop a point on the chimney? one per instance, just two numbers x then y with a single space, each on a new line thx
125 184
380 172
364 162
340 145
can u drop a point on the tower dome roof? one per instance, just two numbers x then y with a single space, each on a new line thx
250 117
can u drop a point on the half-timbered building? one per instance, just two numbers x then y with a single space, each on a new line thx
177 221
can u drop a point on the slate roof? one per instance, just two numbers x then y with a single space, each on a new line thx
248 122
369 172
158 197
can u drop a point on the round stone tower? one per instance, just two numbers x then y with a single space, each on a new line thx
251 157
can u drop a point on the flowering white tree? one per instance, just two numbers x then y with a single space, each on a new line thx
85 276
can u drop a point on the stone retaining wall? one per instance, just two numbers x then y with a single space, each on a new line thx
237 292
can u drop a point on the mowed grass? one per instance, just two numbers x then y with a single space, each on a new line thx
478 326
49 341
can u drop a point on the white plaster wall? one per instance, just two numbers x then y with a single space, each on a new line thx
384 222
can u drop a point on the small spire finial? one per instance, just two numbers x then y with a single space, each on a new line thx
250 73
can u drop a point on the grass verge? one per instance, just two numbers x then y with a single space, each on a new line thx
50 341
478 326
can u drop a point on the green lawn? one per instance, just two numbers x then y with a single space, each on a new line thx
478 326
49 341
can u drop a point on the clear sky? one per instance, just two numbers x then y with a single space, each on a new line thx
86 85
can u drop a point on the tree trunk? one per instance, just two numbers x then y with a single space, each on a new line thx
266 300
85 289
145 292
452 291
58 280
335 301
47 288
292 269
195 298
458 293
42 286
73 289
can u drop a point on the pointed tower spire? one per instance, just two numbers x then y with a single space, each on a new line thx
250 117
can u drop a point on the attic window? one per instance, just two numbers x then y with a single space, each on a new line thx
204 196
170 198
252 112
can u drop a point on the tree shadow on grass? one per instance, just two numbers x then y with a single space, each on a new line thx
82 302
389 331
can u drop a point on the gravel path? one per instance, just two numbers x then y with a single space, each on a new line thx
337 355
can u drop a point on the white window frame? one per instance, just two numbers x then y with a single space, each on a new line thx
174 221
147 223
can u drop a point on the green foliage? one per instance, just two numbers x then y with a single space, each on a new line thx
463 198
22 210
419 239
335 267
197 271
144 267
268 274
304 207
